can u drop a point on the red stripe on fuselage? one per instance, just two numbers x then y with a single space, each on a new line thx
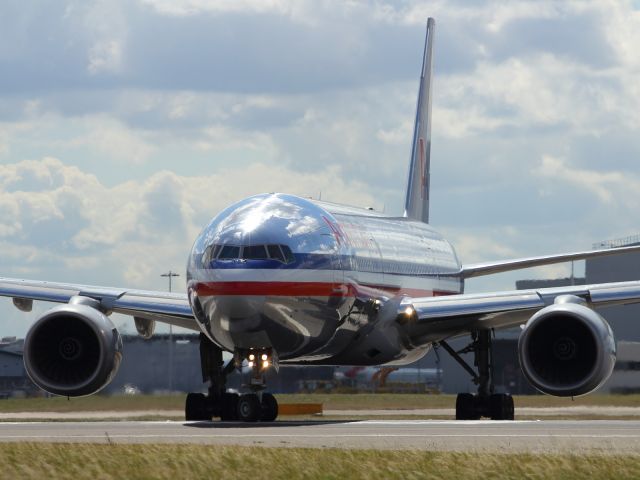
307 289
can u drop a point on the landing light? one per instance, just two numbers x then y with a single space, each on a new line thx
264 357
409 311
252 357
265 364
250 364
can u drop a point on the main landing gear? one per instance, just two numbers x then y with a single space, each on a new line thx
486 403
249 407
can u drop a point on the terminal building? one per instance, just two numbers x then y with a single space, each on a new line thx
13 378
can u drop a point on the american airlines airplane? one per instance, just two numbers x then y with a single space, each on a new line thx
278 279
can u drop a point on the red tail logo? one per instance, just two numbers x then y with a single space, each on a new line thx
423 166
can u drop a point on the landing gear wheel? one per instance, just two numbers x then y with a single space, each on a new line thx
249 408
466 407
269 408
196 407
229 407
501 406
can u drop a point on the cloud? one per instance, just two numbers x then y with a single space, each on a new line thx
59 209
110 137
194 7
180 108
611 188
105 57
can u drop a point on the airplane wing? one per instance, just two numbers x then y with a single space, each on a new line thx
439 317
489 268
165 307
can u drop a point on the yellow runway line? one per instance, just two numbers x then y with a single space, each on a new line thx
299 408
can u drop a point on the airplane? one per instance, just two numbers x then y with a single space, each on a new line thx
279 279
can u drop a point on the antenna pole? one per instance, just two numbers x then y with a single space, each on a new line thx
170 275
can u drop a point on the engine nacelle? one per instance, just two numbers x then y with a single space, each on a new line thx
567 349
72 350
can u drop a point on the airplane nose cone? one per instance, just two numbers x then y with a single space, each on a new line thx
262 270
240 313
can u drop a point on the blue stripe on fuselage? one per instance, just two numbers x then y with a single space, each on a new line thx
308 261
320 261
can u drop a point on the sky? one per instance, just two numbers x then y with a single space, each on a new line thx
126 125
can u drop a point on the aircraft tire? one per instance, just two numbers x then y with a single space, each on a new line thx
466 407
501 406
249 408
229 407
269 408
196 407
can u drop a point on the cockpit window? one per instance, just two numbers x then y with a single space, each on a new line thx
228 252
206 256
281 253
254 252
288 254
275 252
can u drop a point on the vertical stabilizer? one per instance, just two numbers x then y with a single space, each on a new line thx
417 202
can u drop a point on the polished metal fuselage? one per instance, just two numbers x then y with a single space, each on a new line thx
310 280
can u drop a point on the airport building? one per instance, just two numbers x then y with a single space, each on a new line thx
167 363
13 378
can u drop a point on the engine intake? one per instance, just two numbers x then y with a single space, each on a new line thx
72 350
567 349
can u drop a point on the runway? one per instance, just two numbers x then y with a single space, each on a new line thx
567 436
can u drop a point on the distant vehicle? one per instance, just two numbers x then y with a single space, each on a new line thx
391 378
278 279
129 389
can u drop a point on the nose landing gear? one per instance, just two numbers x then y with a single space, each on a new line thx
258 405
253 407
228 406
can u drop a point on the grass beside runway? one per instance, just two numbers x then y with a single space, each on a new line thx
107 461
359 401
94 403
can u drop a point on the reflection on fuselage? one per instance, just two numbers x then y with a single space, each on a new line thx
308 279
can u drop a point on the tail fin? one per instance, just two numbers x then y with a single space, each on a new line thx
417 202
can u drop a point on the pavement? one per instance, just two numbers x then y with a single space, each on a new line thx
538 436
578 411
601 411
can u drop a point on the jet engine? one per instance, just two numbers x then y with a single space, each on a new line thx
73 349
567 349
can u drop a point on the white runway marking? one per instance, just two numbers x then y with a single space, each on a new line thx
343 435
439 422
515 436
